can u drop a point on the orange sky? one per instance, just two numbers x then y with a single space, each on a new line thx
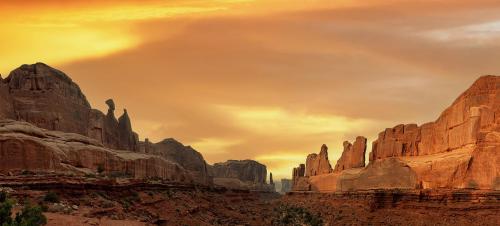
269 80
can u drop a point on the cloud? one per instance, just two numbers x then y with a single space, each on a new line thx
274 85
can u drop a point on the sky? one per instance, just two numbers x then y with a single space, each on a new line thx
270 80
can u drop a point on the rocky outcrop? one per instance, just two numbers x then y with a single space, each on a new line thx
472 116
353 155
242 174
48 98
25 147
244 170
185 156
298 172
7 107
317 164
461 149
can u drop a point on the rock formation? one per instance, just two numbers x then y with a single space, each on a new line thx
242 174
271 178
186 156
244 170
26 147
48 98
461 149
353 155
7 107
318 164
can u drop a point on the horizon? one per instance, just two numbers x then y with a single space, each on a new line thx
272 73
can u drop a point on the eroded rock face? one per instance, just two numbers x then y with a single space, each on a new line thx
185 156
242 174
461 149
470 125
353 155
244 170
27 147
317 164
473 115
48 98
6 105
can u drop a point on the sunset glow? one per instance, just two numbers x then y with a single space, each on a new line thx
225 76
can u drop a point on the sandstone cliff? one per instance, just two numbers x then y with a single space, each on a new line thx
242 174
353 155
185 156
461 149
48 98
245 170
26 147
317 164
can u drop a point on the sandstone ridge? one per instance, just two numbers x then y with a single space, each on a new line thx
461 149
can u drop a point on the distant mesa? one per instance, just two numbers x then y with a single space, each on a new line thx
242 174
461 149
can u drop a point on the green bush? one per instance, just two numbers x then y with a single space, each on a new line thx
29 215
51 197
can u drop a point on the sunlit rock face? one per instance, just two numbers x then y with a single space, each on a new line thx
353 155
317 164
48 98
57 130
461 149
24 146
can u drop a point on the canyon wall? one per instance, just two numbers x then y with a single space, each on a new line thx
186 156
47 98
25 147
241 174
461 149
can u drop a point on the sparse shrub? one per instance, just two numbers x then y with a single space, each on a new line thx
29 215
51 197
290 215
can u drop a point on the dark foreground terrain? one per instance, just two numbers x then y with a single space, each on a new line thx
69 201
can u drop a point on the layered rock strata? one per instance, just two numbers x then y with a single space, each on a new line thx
49 99
25 147
186 156
242 174
461 149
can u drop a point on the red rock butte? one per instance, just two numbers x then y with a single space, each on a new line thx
461 149
48 126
